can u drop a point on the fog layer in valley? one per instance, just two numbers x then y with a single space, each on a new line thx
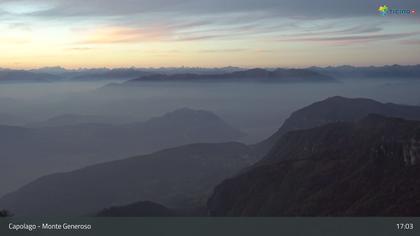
258 109
254 109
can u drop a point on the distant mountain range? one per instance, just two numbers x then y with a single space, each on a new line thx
314 155
390 71
58 74
105 74
367 168
18 76
258 75
53 74
57 70
64 144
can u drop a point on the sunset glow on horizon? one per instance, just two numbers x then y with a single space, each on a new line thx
204 33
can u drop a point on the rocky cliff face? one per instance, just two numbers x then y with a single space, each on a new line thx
367 168
411 152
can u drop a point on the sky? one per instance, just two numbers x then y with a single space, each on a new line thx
206 33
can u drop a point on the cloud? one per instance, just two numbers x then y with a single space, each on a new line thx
177 31
79 49
133 21
285 8
350 39
110 35
20 26
411 41
172 30
265 27
24 7
229 50
331 29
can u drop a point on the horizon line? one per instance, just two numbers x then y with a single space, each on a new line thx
200 67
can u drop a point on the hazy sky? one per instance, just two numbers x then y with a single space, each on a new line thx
208 33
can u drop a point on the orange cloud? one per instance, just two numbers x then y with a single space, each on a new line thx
109 35
152 33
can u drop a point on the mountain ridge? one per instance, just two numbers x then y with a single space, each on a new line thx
52 74
335 109
172 176
332 113
257 75
138 209
339 169
71 146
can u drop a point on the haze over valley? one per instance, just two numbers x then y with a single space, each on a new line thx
50 128
209 108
